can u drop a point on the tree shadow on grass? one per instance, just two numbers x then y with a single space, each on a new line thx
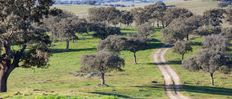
229 49
70 50
111 94
208 90
155 43
128 29
151 86
175 62
196 43
195 89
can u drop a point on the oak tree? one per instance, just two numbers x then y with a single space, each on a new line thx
215 42
102 62
156 12
112 43
213 17
104 14
140 16
182 47
67 29
211 58
208 30
174 32
145 29
102 31
209 61
135 44
227 32
19 28
174 13
229 15
126 18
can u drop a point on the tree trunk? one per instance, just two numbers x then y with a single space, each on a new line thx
7 65
4 74
212 79
182 56
127 25
157 24
135 59
3 81
103 79
163 24
187 37
67 44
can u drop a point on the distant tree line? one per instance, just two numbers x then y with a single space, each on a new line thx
224 3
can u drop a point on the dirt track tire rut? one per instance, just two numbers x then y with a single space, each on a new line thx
171 79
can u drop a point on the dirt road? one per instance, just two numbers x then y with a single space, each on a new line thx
171 79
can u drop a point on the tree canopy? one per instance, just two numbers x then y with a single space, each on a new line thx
215 42
213 17
140 15
182 47
126 18
135 44
19 20
211 58
145 30
174 13
102 63
104 14
207 60
113 43
229 15
102 31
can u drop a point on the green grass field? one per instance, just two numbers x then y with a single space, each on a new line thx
197 84
59 82
58 79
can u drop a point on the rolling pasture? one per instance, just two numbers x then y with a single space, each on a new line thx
143 80
60 80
